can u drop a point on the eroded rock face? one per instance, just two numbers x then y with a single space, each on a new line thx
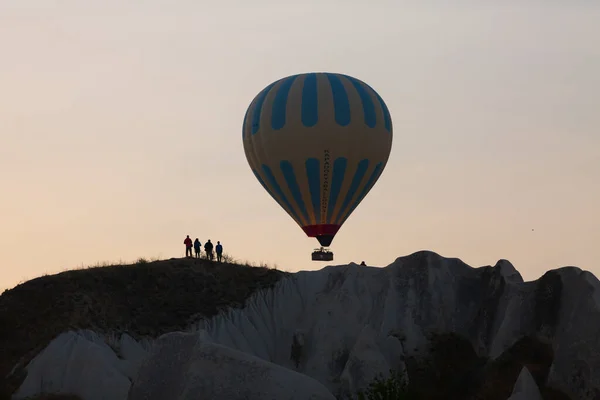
416 295
84 365
183 366
329 324
371 356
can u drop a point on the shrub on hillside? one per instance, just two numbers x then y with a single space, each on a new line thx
392 388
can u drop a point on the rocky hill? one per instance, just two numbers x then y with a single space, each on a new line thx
445 330
145 299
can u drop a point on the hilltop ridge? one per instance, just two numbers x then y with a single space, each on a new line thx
141 299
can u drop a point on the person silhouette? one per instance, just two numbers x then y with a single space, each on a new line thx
188 245
219 251
197 247
208 248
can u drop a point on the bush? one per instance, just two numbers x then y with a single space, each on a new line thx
392 388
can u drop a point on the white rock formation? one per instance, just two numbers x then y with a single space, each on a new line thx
183 366
340 318
525 387
416 295
370 357
83 364
336 308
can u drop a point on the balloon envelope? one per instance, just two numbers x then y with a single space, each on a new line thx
317 143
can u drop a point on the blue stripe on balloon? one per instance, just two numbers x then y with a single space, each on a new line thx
367 102
277 188
341 103
244 123
361 170
310 103
313 173
260 99
339 171
262 183
290 177
386 113
374 175
280 103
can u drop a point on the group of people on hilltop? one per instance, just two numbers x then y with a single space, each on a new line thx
208 248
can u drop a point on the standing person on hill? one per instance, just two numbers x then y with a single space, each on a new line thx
188 245
208 248
197 247
219 250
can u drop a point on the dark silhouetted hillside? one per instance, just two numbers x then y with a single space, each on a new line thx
143 299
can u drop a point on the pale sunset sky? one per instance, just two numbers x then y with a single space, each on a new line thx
120 129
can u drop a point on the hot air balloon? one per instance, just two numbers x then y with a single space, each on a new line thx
317 143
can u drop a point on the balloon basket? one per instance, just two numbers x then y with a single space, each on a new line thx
322 254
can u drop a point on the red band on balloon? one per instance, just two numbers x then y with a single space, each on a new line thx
320 230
